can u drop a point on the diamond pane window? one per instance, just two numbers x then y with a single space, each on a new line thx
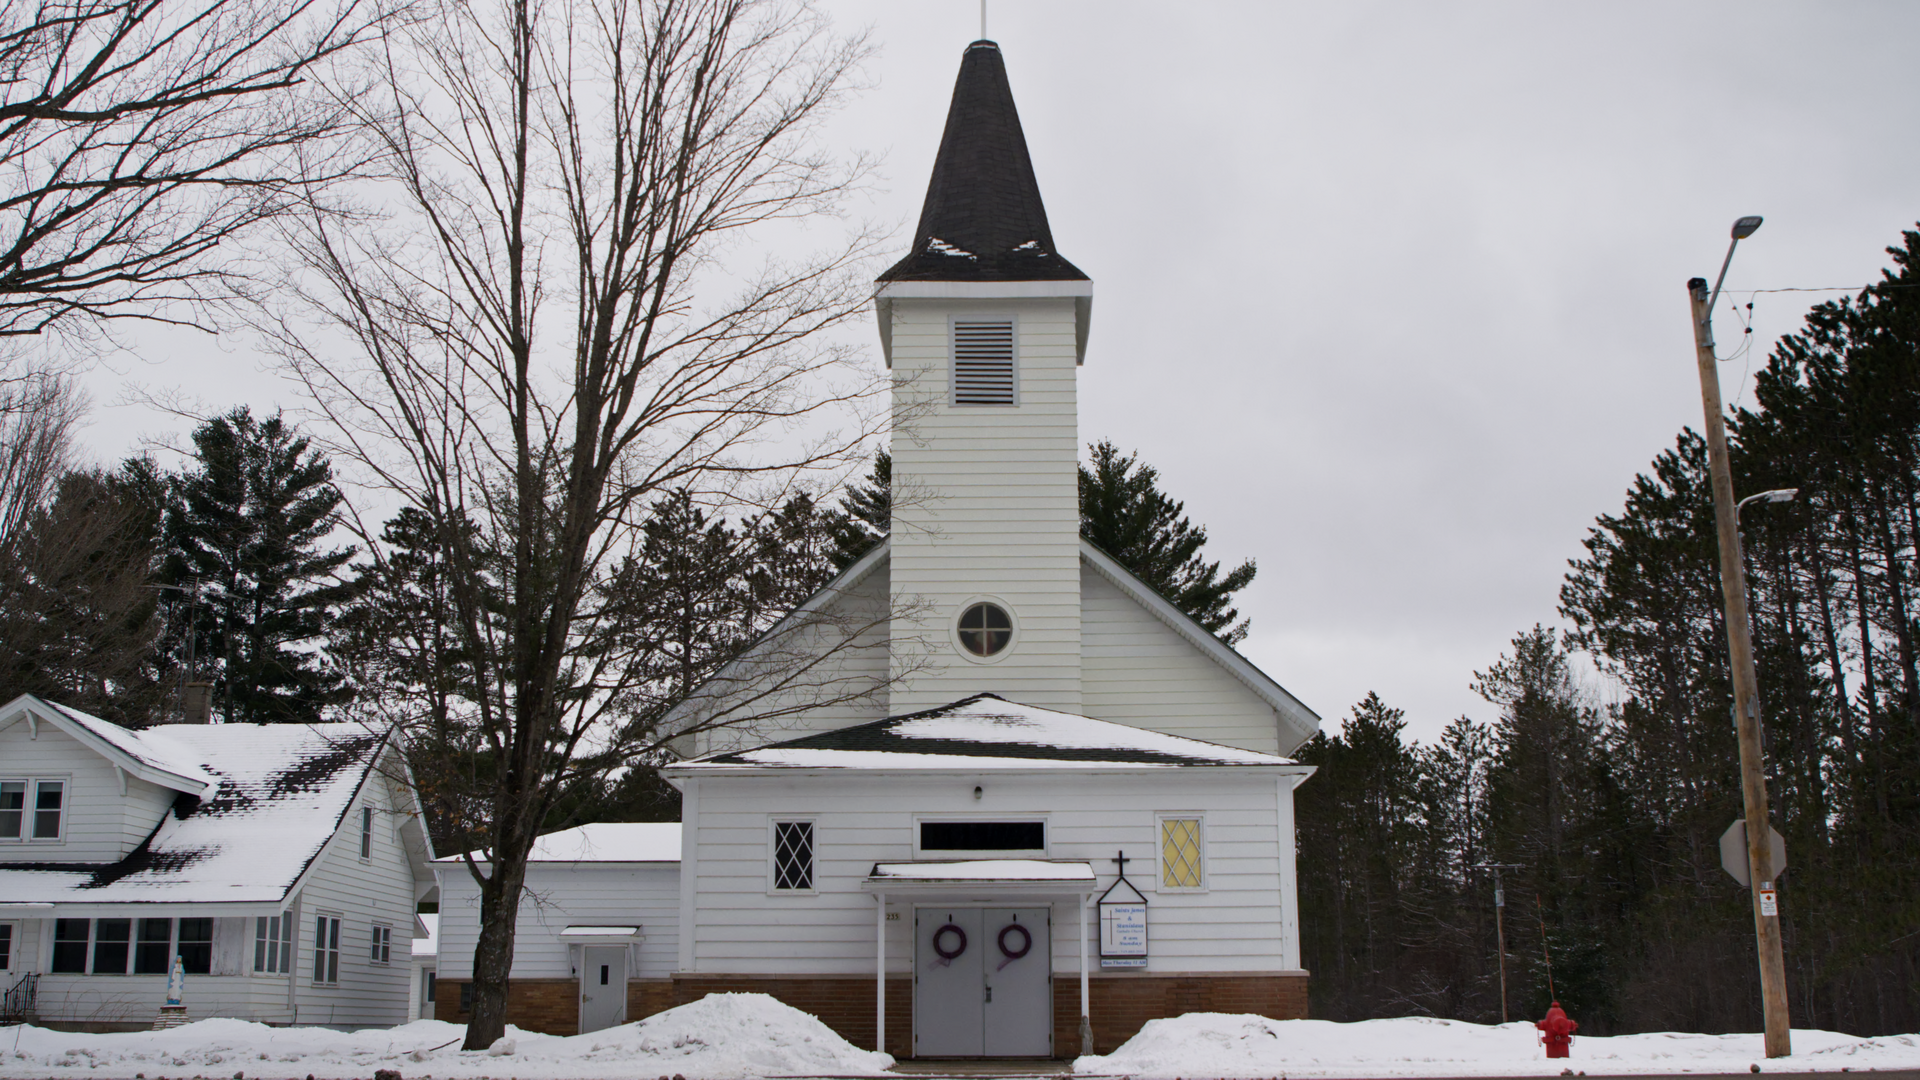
793 855
1180 853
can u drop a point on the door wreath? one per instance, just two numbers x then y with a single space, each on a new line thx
1026 944
948 956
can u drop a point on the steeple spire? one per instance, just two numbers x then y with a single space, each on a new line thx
983 219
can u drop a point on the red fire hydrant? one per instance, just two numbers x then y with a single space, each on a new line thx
1556 1031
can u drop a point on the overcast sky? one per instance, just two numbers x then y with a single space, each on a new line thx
1393 294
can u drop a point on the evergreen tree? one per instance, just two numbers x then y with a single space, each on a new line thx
78 609
865 514
1124 513
249 523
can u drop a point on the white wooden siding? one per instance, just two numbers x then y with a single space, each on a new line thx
1137 671
858 666
101 824
986 505
1236 925
380 889
559 895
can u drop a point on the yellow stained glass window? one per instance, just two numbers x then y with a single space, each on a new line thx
1180 853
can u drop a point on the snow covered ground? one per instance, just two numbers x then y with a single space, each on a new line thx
1223 1045
719 1037
729 1036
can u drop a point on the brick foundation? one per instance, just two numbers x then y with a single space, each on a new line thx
1121 1003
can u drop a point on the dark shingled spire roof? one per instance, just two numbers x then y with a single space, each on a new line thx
983 219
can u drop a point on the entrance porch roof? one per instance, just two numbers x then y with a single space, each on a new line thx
1000 875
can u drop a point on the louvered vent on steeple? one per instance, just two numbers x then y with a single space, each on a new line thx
983 362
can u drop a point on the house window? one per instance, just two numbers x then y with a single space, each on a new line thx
1182 853
366 832
427 986
793 856
32 809
939 837
6 945
13 808
466 997
326 949
153 954
196 946
382 944
49 801
983 369
273 943
112 938
70 946
985 629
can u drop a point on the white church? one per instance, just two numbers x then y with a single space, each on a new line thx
926 869
935 867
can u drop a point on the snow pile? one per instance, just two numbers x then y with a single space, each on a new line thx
1223 1045
719 1037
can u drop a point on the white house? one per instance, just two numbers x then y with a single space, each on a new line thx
596 941
280 863
928 861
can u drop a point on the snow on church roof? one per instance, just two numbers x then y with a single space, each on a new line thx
983 732
278 792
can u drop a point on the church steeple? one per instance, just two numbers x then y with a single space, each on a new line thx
983 219
984 326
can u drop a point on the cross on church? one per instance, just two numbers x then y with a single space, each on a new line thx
1120 859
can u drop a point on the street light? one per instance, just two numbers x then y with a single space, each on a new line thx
1746 697
1778 495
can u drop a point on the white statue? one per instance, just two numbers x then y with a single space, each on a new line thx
176 984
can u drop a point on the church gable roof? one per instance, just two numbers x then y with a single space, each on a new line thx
983 219
984 732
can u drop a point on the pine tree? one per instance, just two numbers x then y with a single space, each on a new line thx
249 522
865 514
1124 513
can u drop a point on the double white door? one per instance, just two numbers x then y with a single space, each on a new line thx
983 982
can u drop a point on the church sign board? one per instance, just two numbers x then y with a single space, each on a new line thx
1123 926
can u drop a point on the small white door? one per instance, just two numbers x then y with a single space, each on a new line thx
1019 975
603 987
948 988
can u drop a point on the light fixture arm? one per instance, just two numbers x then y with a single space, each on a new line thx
1721 280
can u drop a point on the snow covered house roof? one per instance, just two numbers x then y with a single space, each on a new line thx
607 841
150 755
274 795
982 732
983 219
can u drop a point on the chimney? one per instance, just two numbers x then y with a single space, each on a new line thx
196 703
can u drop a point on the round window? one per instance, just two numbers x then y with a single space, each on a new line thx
985 629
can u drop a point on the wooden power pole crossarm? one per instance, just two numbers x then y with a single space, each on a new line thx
1746 695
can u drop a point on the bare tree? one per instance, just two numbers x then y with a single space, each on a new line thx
38 411
552 324
137 136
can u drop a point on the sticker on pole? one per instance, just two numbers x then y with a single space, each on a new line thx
1733 851
1769 905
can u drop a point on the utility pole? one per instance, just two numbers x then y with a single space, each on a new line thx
1500 923
1746 696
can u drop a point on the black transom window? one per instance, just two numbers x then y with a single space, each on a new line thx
983 836
985 629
